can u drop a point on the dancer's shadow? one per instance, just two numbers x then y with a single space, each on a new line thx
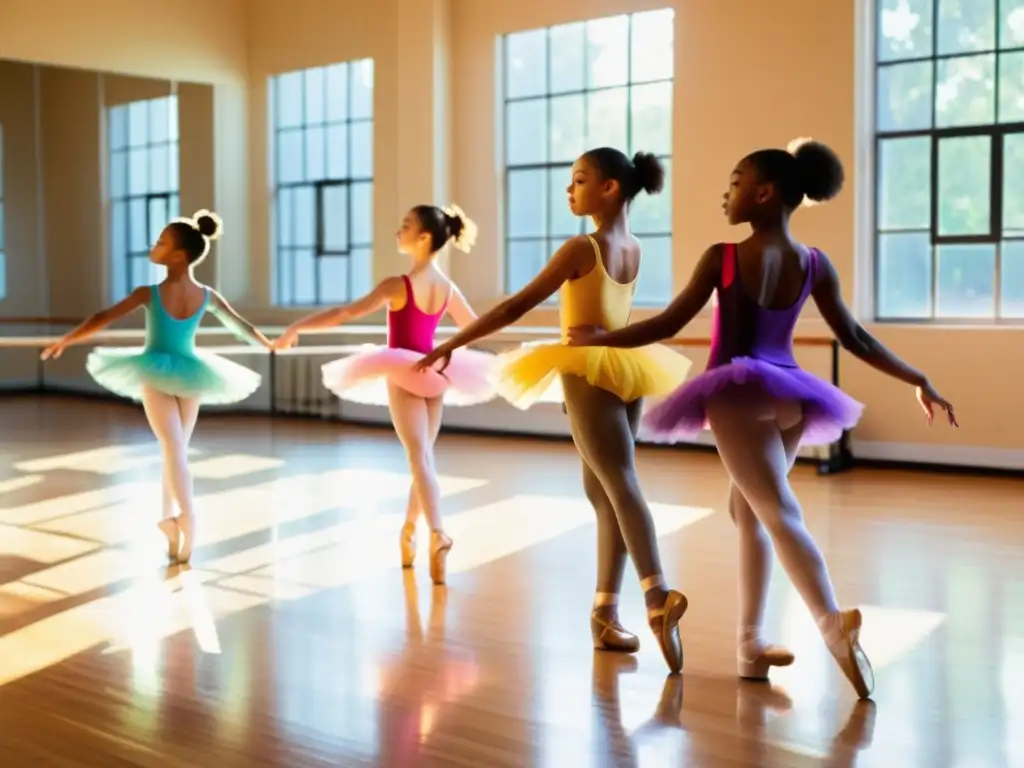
422 682
726 719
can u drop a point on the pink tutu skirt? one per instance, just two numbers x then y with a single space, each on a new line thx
827 410
364 376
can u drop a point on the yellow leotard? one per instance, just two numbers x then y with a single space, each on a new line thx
530 374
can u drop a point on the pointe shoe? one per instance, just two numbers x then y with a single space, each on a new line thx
664 622
407 543
844 643
440 546
609 635
754 663
169 528
187 539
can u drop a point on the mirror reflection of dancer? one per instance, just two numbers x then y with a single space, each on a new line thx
416 304
602 388
758 402
170 375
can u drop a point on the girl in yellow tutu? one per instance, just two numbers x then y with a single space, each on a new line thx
602 388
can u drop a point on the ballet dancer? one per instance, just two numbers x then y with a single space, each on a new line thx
759 404
416 302
170 375
601 388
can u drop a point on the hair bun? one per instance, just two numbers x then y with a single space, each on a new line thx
208 223
461 229
819 169
650 173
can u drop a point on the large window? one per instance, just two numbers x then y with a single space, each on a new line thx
3 244
143 143
604 82
949 208
323 176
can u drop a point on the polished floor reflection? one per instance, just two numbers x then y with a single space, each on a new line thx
295 639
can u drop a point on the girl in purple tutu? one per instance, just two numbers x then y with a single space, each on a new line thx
757 402
416 303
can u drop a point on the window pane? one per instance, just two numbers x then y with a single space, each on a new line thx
607 51
138 171
1011 294
362 150
337 151
653 47
157 218
140 272
1 225
568 60
965 27
1013 185
904 275
607 118
305 218
904 29
174 208
361 89
315 161
965 91
283 277
1011 87
118 231
288 98
285 217
651 113
304 270
137 234
158 121
362 271
904 99
654 285
566 131
332 272
138 123
119 174
172 167
289 157
526 124
315 87
526 64
904 189
1011 27
172 118
159 170
117 126
334 218
337 92
525 259
526 203
563 223
652 214
362 213
966 280
964 185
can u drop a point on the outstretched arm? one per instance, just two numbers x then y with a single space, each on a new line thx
98 322
671 320
459 309
387 290
856 340
234 322
564 265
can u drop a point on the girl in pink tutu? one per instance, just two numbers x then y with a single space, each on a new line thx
757 402
416 303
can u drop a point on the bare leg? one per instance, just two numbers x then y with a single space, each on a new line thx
162 412
411 418
188 410
751 445
413 509
603 430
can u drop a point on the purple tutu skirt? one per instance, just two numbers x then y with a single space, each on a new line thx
827 410
363 377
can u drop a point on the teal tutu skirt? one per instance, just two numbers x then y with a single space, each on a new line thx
210 378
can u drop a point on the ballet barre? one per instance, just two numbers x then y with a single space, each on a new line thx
12 335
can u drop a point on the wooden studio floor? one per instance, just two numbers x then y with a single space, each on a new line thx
295 639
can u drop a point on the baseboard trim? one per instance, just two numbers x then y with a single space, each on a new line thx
939 458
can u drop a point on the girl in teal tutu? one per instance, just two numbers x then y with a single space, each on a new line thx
170 376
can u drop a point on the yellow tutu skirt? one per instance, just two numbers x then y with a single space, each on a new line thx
531 374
